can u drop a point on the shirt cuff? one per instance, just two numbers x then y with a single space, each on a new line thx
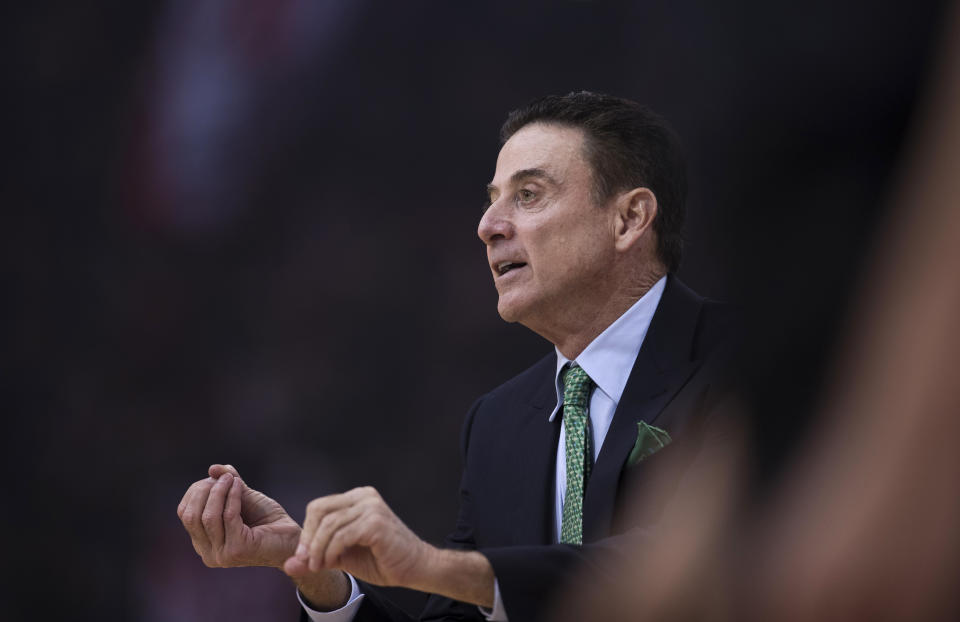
498 613
343 614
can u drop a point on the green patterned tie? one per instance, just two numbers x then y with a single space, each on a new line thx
576 392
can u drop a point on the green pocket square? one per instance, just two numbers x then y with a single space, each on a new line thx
650 440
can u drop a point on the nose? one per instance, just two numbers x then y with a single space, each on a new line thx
494 224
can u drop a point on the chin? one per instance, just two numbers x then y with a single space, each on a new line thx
519 309
509 312
506 314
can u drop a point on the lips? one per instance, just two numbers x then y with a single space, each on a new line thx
503 267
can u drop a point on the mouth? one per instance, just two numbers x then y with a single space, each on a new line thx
506 266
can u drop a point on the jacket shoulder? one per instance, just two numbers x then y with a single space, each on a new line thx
530 379
534 387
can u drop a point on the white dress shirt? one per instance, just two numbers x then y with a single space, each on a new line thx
608 360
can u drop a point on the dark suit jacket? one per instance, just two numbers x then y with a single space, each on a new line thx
509 448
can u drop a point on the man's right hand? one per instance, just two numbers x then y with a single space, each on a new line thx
231 524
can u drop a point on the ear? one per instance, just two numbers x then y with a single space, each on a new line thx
635 211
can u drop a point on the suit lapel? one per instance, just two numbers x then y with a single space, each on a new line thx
533 507
662 367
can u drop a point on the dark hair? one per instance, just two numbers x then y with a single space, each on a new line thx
627 146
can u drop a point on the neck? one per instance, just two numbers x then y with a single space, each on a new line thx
585 325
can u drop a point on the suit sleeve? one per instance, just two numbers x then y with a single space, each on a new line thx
462 538
378 608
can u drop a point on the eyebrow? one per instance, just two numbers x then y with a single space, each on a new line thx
527 173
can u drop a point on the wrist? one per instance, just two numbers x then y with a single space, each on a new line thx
285 551
326 590
426 569
461 575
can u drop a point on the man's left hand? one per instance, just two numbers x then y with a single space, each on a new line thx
358 533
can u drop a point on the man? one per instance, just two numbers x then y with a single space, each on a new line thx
582 230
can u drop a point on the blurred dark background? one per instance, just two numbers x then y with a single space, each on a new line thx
245 232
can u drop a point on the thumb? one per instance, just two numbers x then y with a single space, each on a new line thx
295 567
216 470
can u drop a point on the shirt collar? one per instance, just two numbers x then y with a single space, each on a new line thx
609 358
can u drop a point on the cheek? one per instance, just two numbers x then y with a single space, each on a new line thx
559 250
582 246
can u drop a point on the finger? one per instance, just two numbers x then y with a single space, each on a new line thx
295 567
318 508
193 512
184 501
355 533
232 522
330 525
216 470
181 508
212 517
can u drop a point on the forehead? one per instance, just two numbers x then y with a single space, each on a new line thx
556 149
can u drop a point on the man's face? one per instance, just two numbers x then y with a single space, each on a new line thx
548 245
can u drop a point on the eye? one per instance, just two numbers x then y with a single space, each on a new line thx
525 196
